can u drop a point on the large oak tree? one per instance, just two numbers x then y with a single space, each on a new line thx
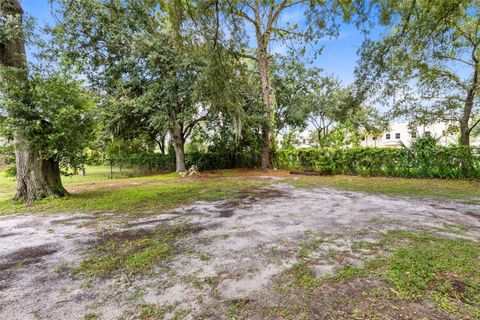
48 113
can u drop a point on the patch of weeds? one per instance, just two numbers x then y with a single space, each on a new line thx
302 276
194 281
444 270
36 314
133 252
453 228
374 220
236 306
62 268
348 272
137 295
307 247
91 316
87 284
19 265
332 253
281 313
363 245
151 312
274 252
212 281
180 314
203 256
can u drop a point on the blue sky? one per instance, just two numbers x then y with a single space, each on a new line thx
338 57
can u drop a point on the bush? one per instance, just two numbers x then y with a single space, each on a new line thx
156 162
146 162
10 171
221 160
421 160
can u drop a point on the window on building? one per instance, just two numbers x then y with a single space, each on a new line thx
414 135
374 138
397 135
387 136
363 138
428 134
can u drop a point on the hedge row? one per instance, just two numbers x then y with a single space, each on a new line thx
434 162
430 161
156 162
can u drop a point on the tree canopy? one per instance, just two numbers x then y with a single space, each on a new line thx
428 63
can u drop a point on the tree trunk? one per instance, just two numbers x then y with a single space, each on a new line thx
464 132
161 146
267 98
36 177
467 110
161 143
179 146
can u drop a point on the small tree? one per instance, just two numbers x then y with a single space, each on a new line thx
307 98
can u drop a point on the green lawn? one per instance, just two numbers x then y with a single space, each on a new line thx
152 194
463 190
95 192
415 267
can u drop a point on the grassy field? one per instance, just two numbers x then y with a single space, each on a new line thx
438 188
152 194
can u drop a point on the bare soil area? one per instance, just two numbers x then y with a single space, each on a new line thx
234 256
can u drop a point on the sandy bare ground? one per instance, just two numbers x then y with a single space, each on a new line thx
241 246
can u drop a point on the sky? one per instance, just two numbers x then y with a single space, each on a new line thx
338 57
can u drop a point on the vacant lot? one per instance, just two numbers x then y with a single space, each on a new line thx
242 245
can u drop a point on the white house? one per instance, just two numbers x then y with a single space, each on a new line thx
401 135
398 135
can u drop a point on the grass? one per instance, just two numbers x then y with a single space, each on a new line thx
96 192
151 312
139 195
443 270
132 252
434 265
309 246
464 190
303 276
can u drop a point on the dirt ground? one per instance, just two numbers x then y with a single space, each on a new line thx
240 247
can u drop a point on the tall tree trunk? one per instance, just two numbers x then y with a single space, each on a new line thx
36 177
465 130
179 146
467 110
268 100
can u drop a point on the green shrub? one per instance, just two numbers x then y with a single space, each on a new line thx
423 159
10 171
157 162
